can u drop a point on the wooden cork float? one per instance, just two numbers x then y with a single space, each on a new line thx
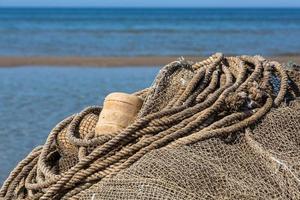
119 111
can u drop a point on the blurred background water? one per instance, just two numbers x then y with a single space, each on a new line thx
136 32
33 100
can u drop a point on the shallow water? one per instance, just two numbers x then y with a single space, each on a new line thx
135 32
34 99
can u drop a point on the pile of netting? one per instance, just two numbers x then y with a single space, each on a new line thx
222 128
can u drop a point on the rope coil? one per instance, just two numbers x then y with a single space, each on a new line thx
225 95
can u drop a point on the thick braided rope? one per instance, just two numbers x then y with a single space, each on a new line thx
225 95
237 83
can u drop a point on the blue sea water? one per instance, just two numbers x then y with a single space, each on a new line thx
136 32
34 99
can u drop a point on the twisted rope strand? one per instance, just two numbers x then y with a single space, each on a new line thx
225 95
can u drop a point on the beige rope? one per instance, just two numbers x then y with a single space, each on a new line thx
225 95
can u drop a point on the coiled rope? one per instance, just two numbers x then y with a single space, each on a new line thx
225 96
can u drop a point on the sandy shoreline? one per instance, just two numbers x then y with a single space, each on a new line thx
109 61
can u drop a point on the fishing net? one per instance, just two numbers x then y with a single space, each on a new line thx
222 128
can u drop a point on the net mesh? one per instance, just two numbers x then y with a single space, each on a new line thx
67 150
261 164
222 128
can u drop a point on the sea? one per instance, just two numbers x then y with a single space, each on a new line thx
34 99
144 32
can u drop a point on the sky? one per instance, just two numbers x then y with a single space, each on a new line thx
150 3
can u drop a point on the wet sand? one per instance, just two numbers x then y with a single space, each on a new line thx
111 61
